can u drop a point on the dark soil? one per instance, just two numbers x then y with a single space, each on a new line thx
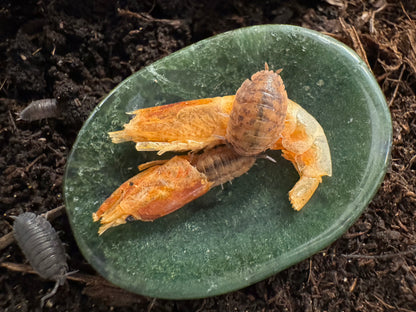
77 51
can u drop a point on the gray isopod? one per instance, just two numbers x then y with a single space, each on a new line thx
42 247
40 109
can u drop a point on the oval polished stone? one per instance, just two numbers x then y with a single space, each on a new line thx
236 236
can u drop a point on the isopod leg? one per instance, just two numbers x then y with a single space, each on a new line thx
50 294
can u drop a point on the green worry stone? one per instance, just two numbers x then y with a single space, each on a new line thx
242 233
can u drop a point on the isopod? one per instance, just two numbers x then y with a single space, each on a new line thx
166 186
222 164
42 247
258 113
40 109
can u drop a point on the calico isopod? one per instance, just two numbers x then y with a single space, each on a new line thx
258 114
41 245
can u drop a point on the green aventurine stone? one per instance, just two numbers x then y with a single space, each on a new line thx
236 236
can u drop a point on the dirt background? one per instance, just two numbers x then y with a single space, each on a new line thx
77 51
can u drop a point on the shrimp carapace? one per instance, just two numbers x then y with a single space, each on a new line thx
258 113
166 186
183 126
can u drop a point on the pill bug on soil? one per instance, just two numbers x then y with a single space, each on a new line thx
42 247
40 109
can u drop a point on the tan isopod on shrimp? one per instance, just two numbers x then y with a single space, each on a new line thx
258 114
222 164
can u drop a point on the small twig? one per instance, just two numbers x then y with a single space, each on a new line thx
405 12
386 305
54 213
2 84
354 283
389 306
7 239
397 85
59 154
36 51
16 267
310 271
373 15
354 235
352 32
77 277
151 304
411 161
34 162
176 23
12 122
382 257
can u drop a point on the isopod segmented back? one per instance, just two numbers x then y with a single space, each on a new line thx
40 109
41 246
222 164
258 113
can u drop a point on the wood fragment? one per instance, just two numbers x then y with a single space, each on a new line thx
383 5
12 122
2 84
389 306
34 162
355 38
354 235
354 283
176 23
397 85
6 240
151 304
402 226
338 3
381 257
36 51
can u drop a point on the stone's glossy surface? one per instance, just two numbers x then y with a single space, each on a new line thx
234 237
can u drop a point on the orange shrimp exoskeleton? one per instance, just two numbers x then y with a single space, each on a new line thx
303 142
258 117
183 126
165 186
258 113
